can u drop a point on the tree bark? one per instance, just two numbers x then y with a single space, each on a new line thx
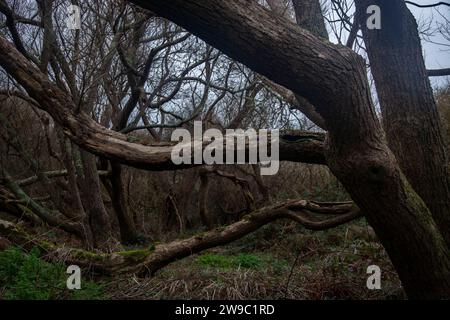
149 260
97 216
128 231
308 14
410 115
333 78
203 201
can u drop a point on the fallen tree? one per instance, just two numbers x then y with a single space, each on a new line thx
149 260
332 78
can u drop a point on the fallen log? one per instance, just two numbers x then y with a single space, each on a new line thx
147 261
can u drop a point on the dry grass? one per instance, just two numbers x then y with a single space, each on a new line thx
329 266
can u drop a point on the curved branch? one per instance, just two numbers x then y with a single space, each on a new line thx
81 129
428 5
148 261
296 102
11 24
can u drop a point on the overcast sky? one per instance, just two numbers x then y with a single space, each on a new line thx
436 56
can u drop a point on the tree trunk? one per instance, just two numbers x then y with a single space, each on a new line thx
308 14
410 115
127 227
97 215
75 197
334 79
203 201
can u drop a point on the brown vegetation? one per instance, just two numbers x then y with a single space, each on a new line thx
86 118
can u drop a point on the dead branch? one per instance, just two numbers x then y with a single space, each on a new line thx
149 260
30 204
52 174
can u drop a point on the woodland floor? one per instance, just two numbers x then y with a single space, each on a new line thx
330 265
280 261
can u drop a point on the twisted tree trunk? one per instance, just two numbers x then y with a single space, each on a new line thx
334 80
97 216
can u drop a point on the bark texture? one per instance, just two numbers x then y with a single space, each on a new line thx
410 115
149 260
128 231
97 216
333 78
308 14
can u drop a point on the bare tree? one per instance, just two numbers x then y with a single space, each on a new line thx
401 189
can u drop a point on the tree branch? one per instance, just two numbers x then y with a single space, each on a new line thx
52 174
439 72
148 261
88 134
428 5
51 218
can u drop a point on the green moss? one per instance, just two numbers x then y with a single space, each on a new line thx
137 255
214 261
220 228
132 139
88 255
46 245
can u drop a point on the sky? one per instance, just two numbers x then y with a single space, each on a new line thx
436 56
